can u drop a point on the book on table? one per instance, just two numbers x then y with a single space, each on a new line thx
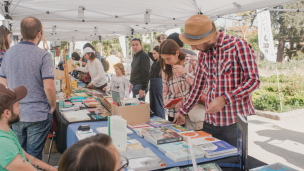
161 135
84 134
202 167
203 140
274 167
217 149
184 154
118 132
172 146
159 123
242 141
76 116
105 130
143 159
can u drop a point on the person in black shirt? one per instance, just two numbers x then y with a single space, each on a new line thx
175 37
156 85
140 70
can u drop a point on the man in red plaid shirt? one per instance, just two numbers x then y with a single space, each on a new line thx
227 72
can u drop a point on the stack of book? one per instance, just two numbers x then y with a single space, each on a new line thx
172 146
184 154
161 135
138 128
159 122
143 159
133 144
217 148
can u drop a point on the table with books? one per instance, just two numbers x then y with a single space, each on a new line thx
161 144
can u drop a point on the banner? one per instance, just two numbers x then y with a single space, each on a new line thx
265 36
122 41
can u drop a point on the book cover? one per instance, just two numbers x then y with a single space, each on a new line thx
201 134
160 123
172 146
173 101
179 129
118 132
274 167
204 140
184 154
242 141
139 126
134 147
204 167
216 148
77 63
165 135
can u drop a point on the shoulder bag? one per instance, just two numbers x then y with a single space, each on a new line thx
196 117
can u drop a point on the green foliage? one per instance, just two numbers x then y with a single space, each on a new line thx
185 45
292 93
253 40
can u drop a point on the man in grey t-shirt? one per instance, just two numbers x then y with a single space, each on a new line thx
25 64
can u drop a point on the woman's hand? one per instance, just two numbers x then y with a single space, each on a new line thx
74 66
83 63
171 107
90 85
178 69
104 89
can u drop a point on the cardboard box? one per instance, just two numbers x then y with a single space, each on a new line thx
135 114
47 146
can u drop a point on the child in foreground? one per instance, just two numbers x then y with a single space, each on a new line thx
119 82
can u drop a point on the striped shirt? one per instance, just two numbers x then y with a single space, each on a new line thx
170 88
228 70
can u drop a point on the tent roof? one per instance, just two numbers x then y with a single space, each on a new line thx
80 20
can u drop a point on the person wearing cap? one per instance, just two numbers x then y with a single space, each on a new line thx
25 64
227 71
12 156
95 68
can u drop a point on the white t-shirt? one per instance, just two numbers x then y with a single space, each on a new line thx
121 85
96 71
112 61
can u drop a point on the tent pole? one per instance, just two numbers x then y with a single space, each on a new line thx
279 87
100 48
71 48
151 48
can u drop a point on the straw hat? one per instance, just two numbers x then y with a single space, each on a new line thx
198 29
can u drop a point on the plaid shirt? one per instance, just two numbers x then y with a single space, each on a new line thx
171 90
228 70
1 57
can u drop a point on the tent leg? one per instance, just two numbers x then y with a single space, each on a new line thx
151 43
279 87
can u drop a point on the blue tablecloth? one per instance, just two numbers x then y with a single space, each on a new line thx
72 138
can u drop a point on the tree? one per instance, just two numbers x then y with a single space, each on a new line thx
289 28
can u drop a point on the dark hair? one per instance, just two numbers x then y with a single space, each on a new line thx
3 38
6 102
105 64
136 39
121 67
88 45
169 47
30 26
89 154
162 37
175 37
92 56
156 48
76 56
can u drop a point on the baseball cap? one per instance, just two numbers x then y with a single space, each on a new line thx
16 94
86 50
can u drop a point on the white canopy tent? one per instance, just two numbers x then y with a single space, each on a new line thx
95 20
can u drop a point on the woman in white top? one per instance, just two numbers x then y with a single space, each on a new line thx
95 68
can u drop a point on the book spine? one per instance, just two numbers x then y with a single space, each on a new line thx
165 141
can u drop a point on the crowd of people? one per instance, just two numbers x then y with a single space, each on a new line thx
225 70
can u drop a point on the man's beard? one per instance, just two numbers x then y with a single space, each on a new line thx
14 119
208 47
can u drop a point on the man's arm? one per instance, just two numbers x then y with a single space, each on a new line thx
251 82
145 69
40 165
196 90
3 81
20 163
50 91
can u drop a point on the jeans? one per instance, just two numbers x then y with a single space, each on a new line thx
156 97
226 133
135 91
32 135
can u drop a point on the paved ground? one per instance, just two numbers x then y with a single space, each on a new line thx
270 141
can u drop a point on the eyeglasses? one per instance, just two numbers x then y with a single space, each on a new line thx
124 163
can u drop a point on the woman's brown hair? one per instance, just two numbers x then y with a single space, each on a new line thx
4 46
121 67
89 154
92 56
169 47
156 48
